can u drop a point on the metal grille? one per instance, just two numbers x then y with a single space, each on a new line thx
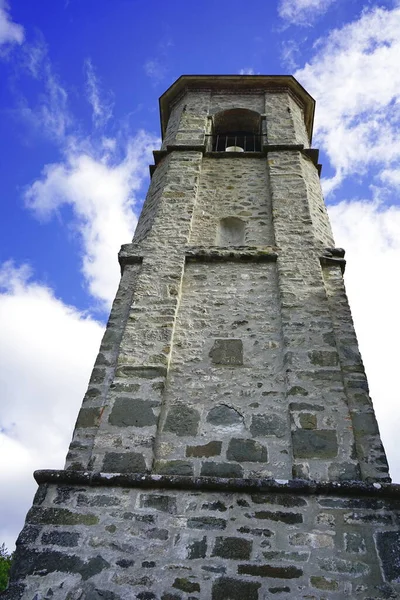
250 142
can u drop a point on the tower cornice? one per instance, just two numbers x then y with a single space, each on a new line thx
268 83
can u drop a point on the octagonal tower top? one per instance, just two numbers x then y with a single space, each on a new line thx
238 83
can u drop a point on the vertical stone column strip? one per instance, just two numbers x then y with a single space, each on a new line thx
126 436
103 373
368 446
322 437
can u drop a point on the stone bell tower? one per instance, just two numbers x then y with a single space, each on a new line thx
226 448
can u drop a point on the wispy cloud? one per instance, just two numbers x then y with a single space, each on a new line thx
155 69
354 76
247 71
302 12
370 232
102 107
10 32
40 399
101 187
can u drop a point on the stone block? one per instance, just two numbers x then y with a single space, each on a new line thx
284 517
128 412
182 420
234 548
262 425
246 451
228 588
322 583
388 546
308 421
227 352
61 538
158 502
225 470
197 549
317 443
59 516
173 467
124 462
88 417
206 523
224 415
206 450
324 358
289 572
184 584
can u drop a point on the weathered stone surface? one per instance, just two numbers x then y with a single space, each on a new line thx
246 451
88 417
224 415
227 352
60 516
324 358
322 583
128 462
131 411
213 469
206 523
182 420
197 549
320 443
228 588
61 538
388 545
207 450
173 467
262 425
184 584
234 548
158 502
270 571
285 500
284 517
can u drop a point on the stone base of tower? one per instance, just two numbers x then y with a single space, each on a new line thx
112 537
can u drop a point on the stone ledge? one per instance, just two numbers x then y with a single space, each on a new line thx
238 253
292 486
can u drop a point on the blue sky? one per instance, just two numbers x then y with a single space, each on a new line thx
80 82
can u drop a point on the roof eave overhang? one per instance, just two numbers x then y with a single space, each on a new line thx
238 82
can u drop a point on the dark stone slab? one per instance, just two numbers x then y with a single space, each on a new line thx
88 417
324 358
227 352
246 451
182 420
224 415
297 406
279 590
31 562
159 502
228 588
61 538
207 450
174 467
184 584
59 516
234 548
128 412
206 523
197 549
364 423
289 572
127 462
280 499
285 517
317 443
262 425
217 505
100 500
228 470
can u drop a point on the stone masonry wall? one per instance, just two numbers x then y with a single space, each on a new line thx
83 542
224 410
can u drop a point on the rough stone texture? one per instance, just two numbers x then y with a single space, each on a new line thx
230 352
166 542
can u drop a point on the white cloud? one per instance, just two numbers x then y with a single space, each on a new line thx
10 33
247 71
102 109
370 233
43 342
155 69
101 189
355 78
302 12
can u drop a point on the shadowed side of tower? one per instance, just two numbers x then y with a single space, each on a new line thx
227 447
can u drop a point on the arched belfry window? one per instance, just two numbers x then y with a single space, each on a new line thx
236 130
